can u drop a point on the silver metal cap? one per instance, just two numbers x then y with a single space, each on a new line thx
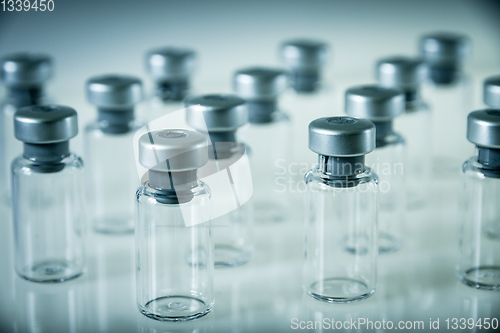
26 69
341 136
173 150
171 63
216 112
304 54
374 102
45 124
483 128
491 91
259 83
401 72
444 48
114 91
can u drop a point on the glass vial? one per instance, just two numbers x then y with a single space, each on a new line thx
218 117
341 212
173 238
268 139
408 74
491 92
309 97
479 266
111 172
48 196
24 75
382 105
171 69
448 89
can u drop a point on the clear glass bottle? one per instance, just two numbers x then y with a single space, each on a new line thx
479 266
268 139
309 95
109 153
174 244
24 76
218 117
408 74
382 105
171 69
48 196
448 89
341 212
491 91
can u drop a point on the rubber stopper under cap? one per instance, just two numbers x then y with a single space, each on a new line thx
216 112
171 62
483 128
341 136
43 124
491 91
444 48
374 102
173 150
114 91
304 53
26 69
259 83
401 72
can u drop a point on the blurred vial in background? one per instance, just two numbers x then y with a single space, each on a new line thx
24 76
408 74
381 105
448 89
491 92
268 137
218 117
109 153
48 195
341 212
479 266
171 69
174 245
308 97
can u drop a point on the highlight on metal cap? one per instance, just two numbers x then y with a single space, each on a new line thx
216 112
114 91
171 63
304 53
26 69
341 136
483 128
444 48
491 91
374 102
173 150
401 72
259 83
44 124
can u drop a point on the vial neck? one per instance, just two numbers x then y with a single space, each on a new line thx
489 158
172 90
261 112
341 166
444 74
383 130
173 187
223 144
117 121
24 96
47 156
305 81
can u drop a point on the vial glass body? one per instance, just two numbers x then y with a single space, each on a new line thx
174 263
111 177
388 161
10 147
479 265
48 210
341 230
268 154
415 124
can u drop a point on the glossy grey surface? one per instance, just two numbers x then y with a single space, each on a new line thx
483 128
444 48
171 62
304 53
401 72
374 102
114 91
25 69
259 83
491 91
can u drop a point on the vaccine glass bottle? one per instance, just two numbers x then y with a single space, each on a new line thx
109 154
174 247
48 196
341 212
